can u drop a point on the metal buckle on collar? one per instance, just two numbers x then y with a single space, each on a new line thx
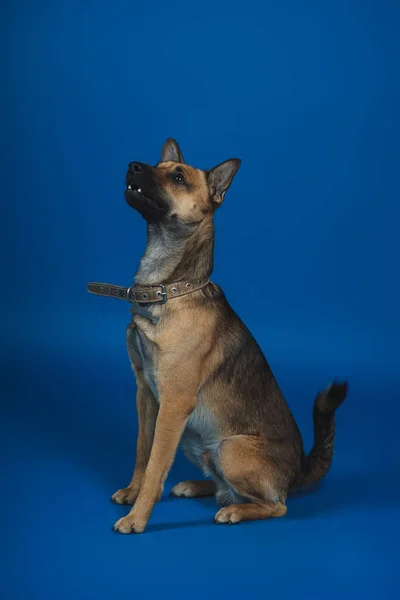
128 293
162 294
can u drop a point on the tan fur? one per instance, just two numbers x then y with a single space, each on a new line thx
191 205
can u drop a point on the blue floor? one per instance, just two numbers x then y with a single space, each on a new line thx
69 436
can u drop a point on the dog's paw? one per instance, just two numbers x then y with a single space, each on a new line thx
193 489
183 490
125 496
129 496
130 524
228 515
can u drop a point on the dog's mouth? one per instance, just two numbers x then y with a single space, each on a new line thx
134 189
148 205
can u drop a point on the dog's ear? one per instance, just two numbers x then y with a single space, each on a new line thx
171 151
220 178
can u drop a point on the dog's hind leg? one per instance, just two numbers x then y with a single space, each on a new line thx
234 513
246 466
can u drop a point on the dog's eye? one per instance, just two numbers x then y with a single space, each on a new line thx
178 178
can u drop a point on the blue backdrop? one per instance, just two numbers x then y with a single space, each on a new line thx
308 95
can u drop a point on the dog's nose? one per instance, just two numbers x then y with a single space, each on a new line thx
136 167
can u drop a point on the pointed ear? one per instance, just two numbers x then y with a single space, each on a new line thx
171 151
220 178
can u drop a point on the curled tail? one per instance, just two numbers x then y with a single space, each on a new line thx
317 463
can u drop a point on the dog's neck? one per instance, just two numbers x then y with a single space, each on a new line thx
177 252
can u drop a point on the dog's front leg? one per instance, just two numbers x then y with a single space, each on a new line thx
171 421
147 409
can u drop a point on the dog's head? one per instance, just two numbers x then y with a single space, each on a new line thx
173 190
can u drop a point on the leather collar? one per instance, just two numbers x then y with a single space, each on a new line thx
147 294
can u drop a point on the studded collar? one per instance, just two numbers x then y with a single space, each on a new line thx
142 297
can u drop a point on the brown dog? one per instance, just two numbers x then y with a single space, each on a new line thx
201 377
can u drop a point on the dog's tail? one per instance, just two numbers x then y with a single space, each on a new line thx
317 463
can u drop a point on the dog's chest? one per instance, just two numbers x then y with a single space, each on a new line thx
142 354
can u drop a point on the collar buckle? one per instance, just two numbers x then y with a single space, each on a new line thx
162 295
132 296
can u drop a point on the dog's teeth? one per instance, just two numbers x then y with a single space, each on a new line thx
139 190
129 187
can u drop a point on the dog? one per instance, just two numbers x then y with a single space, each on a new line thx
202 380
